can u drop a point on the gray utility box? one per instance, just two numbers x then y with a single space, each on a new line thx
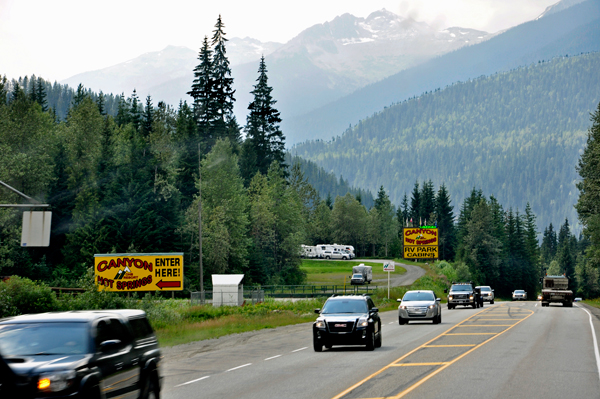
228 289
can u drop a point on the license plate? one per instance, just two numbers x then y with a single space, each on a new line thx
339 325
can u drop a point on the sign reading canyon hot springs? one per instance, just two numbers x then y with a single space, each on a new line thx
139 272
420 242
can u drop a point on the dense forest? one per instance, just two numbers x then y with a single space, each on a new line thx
516 135
133 182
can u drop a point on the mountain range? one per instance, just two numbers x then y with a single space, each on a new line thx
321 64
573 30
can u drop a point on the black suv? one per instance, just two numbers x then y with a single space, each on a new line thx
84 354
347 320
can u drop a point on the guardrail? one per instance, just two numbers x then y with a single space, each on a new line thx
311 291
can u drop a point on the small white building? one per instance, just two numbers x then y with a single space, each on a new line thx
228 289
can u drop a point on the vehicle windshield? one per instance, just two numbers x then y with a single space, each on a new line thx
30 339
345 306
519 292
418 296
486 289
461 287
357 276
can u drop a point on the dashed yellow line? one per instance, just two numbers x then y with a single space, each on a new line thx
443 365
447 346
484 325
418 364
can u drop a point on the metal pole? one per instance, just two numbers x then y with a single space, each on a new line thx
200 223
388 284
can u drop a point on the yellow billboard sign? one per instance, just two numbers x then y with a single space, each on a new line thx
420 236
139 272
421 251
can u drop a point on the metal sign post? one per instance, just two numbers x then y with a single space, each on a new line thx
389 267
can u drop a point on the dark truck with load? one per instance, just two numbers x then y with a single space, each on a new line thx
464 294
556 289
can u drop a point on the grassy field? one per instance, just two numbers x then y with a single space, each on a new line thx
338 272
195 323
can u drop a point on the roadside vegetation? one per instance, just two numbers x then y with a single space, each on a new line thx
338 272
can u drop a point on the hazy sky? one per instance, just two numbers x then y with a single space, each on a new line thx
56 39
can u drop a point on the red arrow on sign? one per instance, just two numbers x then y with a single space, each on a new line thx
168 284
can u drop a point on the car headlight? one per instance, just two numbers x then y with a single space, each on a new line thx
363 323
320 324
431 306
450 297
402 307
471 297
57 381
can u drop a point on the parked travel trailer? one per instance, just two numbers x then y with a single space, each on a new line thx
308 251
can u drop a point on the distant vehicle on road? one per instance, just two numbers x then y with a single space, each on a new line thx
463 294
83 354
347 320
577 299
419 305
556 289
487 293
335 255
519 295
361 274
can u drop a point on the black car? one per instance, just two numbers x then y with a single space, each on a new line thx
84 354
347 320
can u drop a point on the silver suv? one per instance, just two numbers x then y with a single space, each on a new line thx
487 293
419 305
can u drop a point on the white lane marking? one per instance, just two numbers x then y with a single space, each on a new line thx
595 341
272 357
239 367
192 381
536 304
392 322
301 349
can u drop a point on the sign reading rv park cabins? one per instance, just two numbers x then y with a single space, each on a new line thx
420 242
139 272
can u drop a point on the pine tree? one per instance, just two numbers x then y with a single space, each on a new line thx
123 115
415 205
427 202
136 114
445 222
202 93
101 103
222 82
40 94
147 118
79 96
262 127
588 204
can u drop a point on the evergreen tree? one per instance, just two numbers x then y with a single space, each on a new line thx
415 206
79 96
40 94
123 114
101 103
445 223
135 112
147 118
3 90
427 202
265 138
202 93
222 82
588 204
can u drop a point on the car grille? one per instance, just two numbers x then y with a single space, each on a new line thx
460 296
417 311
340 326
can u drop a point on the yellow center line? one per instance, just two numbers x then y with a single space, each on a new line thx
345 392
485 325
418 364
417 384
471 334
447 346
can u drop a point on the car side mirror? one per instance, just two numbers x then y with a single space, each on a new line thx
110 345
445 290
374 310
438 299
398 300
317 311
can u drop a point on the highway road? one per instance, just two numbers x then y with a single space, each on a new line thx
510 349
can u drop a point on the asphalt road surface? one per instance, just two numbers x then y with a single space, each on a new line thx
507 350
412 273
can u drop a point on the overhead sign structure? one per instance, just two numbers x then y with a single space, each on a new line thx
420 242
139 272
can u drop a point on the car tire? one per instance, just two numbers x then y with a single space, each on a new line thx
440 318
328 346
402 321
450 307
327 257
370 341
492 302
474 305
151 389
344 258
379 339
317 346
435 320
92 392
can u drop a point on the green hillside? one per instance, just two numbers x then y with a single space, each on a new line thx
516 135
